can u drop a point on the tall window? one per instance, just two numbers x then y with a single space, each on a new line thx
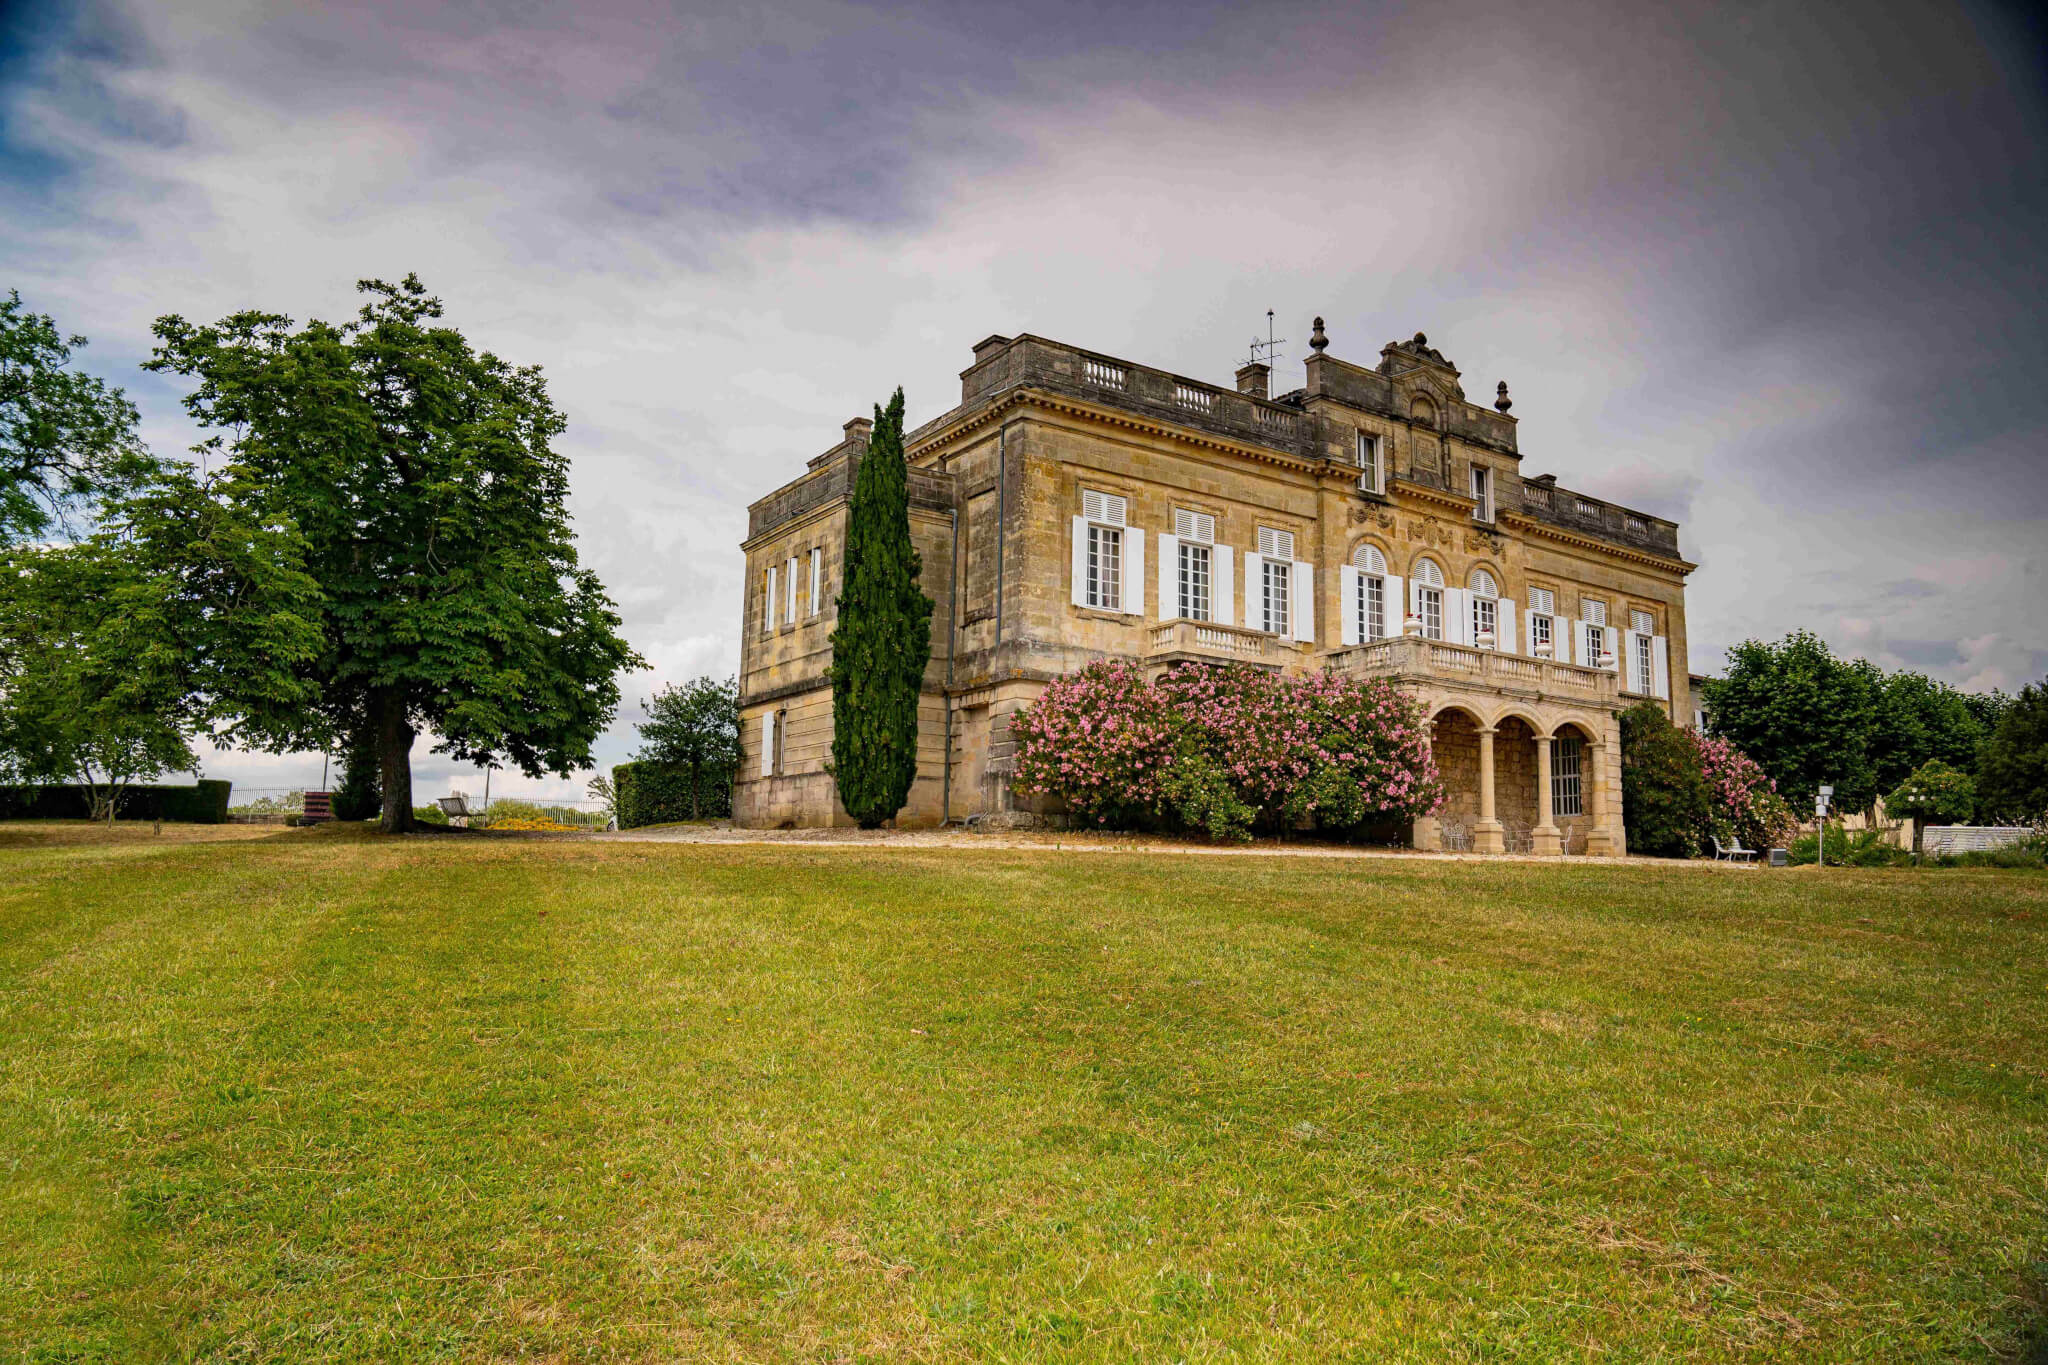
1105 560
789 607
1482 492
1369 463
1485 610
1429 598
1645 669
1542 621
1372 593
1276 577
1197 532
817 579
768 616
1596 629
1565 794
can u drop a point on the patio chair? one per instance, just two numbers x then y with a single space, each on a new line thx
1457 839
1732 851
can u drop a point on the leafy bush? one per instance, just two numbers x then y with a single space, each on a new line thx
203 803
1741 798
430 815
1864 848
360 795
1224 749
647 793
1665 806
1933 791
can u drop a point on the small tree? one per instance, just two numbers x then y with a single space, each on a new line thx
694 727
177 616
66 439
884 638
1664 802
359 795
1933 791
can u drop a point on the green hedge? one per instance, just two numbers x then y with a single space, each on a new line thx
205 803
658 793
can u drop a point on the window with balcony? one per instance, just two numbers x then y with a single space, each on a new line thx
1542 622
1485 610
1429 598
1372 593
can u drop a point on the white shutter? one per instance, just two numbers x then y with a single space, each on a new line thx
817 580
768 617
1134 572
1222 585
1351 584
789 607
1660 666
1169 576
1254 591
1301 605
1396 608
1504 626
1580 645
1631 676
767 744
1080 561
1458 616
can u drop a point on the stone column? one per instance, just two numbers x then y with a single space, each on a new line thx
1486 835
1545 837
1600 839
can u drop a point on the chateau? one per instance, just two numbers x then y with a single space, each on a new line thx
1076 507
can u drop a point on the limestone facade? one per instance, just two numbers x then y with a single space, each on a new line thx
1075 507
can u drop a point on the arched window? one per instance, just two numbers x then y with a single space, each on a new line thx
1372 592
1485 610
1429 598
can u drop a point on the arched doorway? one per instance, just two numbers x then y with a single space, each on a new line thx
1572 801
1514 783
1454 742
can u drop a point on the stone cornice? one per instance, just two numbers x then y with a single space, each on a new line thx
1107 416
1543 530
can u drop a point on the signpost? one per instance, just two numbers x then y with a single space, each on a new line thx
1820 826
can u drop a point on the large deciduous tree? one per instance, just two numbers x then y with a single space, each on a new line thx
66 439
182 614
884 638
695 728
422 477
1803 715
2012 767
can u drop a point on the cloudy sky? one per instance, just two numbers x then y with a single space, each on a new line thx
1773 271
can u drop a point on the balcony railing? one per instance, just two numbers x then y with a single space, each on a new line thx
1413 657
1206 639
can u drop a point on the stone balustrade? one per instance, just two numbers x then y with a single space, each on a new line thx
1183 639
1414 657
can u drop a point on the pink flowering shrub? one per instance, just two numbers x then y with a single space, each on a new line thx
1743 800
1220 749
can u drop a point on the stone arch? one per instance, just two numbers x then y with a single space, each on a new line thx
1422 411
1368 557
1571 769
1515 738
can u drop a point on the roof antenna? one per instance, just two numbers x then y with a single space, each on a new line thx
1270 346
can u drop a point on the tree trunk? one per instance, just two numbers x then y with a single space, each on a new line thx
696 788
1919 828
394 760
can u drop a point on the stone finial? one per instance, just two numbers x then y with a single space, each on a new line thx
1501 401
1319 342
1421 340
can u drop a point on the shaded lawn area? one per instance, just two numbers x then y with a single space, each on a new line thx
309 1096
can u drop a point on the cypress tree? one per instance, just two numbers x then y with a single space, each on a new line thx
884 637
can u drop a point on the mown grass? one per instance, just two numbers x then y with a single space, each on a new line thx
308 1097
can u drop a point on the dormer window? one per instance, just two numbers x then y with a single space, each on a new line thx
1369 476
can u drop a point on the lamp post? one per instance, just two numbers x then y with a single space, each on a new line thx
1820 826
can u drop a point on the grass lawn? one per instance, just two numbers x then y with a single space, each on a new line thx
305 1095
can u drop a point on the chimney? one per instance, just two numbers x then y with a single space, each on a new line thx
1251 379
857 431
